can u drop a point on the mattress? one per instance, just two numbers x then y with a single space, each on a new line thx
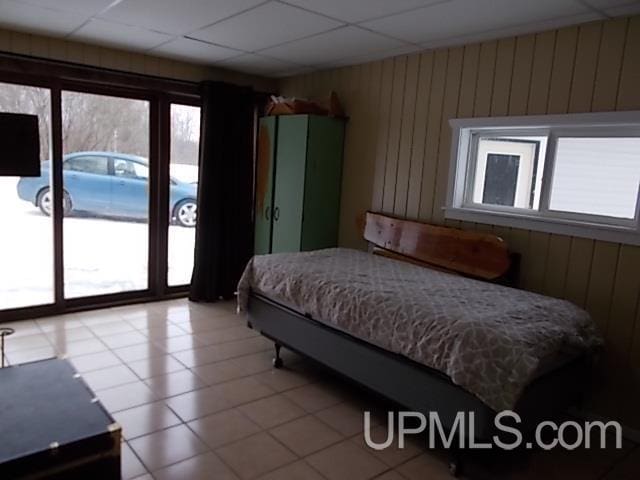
489 339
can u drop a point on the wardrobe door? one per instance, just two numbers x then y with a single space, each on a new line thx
264 185
323 183
289 183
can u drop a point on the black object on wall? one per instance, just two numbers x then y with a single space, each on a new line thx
224 232
20 144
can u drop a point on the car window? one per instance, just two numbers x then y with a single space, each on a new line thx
128 169
87 164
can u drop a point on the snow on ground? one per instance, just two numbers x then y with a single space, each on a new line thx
101 255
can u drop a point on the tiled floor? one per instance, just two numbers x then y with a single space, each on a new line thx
197 397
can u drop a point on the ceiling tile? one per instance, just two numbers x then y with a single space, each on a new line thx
174 16
337 44
265 26
119 35
625 9
513 31
194 50
359 10
36 19
371 57
89 7
258 64
465 17
604 4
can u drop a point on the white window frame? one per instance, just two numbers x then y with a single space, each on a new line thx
464 144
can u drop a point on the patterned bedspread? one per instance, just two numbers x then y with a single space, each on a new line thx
487 338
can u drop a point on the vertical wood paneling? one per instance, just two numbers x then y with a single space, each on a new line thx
420 128
629 93
406 136
612 42
584 70
436 101
593 67
395 128
504 74
383 133
449 109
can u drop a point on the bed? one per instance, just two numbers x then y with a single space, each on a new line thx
426 319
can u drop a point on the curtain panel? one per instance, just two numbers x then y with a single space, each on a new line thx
224 231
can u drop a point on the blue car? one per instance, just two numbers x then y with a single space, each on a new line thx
110 184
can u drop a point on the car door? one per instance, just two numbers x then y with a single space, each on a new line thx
130 194
88 183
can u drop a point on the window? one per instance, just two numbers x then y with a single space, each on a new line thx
87 164
129 169
571 174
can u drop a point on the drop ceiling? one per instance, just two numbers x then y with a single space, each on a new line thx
284 37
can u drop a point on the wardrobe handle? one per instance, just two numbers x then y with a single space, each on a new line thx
267 209
276 214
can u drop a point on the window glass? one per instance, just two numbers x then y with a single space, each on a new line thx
508 171
597 176
88 164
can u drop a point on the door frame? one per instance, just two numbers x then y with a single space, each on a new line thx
160 93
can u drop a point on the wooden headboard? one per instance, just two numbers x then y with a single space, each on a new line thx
475 254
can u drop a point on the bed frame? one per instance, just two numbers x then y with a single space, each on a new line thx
399 379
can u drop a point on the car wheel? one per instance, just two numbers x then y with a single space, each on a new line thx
186 213
45 202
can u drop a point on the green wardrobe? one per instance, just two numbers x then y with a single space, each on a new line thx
298 179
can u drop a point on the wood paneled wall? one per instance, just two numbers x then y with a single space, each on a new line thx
85 54
398 147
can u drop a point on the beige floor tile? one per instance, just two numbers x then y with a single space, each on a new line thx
111 328
179 343
26 342
428 465
346 418
199 403
59 322
80 347
138 352
24 328
131 466
199 324
226 370
255 455
120 340
145 419
166 447
391 475
271 411
223 428
201 467
161 331
392 455
216 353
175 383
155 366
285 378
95 361
306 435
109 377
126 396
31 355
346 461
223 335
314 397
62 335
295 471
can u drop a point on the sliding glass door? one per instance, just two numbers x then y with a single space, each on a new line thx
183 191
106 194
112 217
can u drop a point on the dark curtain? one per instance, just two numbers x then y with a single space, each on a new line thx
224 232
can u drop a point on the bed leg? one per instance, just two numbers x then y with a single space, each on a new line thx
277 361
455 463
